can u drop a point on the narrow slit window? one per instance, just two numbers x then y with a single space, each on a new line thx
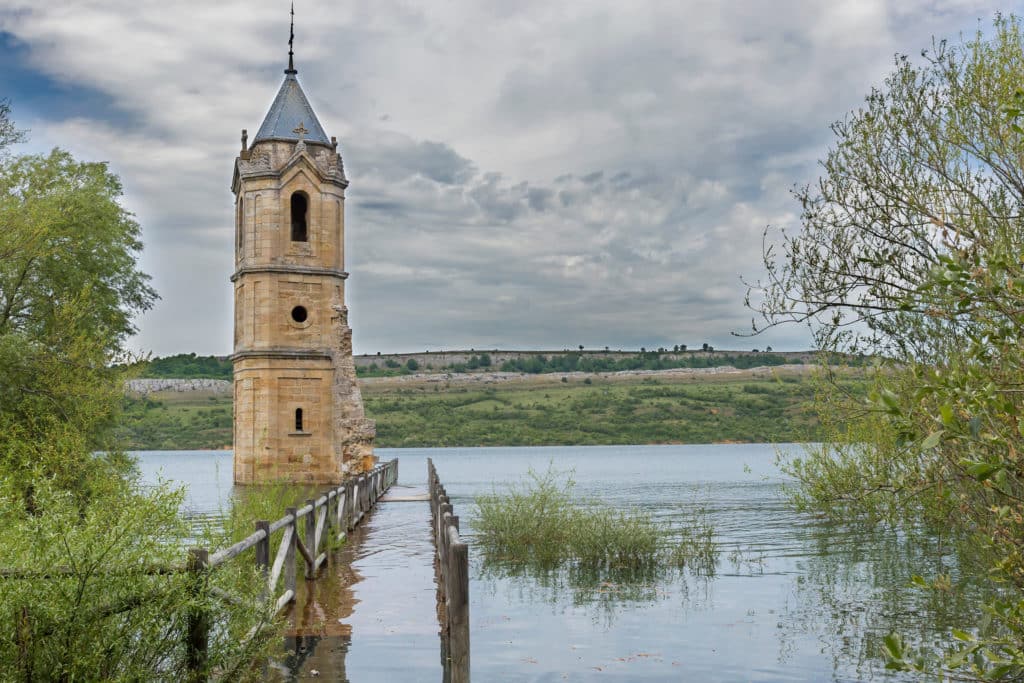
241 223
298 419
300 209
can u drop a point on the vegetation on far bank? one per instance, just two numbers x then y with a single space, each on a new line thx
529 413
582 361
184 366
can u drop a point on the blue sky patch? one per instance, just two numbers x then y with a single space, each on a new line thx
36 95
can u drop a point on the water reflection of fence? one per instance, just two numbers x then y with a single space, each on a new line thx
453 571
340 508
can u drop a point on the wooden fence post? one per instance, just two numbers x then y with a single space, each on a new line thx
343 509
458 611
329 526
198 623
350 492
443 556
310 540
263 549
289 556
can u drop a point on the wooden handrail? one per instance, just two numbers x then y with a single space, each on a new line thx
225 554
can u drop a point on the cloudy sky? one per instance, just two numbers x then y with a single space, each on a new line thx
525 174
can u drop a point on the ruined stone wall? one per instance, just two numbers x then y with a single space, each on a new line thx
144 387
441 359
354 433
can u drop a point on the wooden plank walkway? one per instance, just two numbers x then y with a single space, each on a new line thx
394 617
414 498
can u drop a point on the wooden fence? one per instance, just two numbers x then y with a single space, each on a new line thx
331 515
453 572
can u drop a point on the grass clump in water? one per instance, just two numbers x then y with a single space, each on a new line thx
542 523
696 547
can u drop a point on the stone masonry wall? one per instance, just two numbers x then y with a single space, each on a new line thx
144 387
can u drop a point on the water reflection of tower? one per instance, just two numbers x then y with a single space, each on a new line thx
320 634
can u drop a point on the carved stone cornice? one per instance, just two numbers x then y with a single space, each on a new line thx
281 268
281 353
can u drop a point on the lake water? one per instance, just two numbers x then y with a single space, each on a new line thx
793 598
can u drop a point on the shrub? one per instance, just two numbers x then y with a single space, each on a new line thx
104 616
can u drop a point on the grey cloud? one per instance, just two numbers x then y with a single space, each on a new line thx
539 198
396 157
596 173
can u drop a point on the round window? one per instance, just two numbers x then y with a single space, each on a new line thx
299 314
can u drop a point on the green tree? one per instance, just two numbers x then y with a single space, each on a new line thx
912 249
8 133
70 502
69 286
66 235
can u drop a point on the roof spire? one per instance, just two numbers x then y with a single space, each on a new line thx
291 40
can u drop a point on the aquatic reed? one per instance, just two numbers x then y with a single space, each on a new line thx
542 522
695 547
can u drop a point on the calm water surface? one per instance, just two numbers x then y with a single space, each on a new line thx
793 598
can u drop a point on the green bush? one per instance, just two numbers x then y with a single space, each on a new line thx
100 614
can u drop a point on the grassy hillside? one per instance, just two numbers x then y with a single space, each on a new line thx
540 411
171 420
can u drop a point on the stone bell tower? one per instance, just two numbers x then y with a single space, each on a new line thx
298 411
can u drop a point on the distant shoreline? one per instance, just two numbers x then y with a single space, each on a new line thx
423 410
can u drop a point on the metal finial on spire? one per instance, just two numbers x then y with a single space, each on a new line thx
291 41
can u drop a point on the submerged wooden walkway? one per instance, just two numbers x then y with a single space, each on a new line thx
335 515
332 515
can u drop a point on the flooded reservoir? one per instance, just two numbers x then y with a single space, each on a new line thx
791 598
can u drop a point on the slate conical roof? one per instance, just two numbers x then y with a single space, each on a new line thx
290 110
